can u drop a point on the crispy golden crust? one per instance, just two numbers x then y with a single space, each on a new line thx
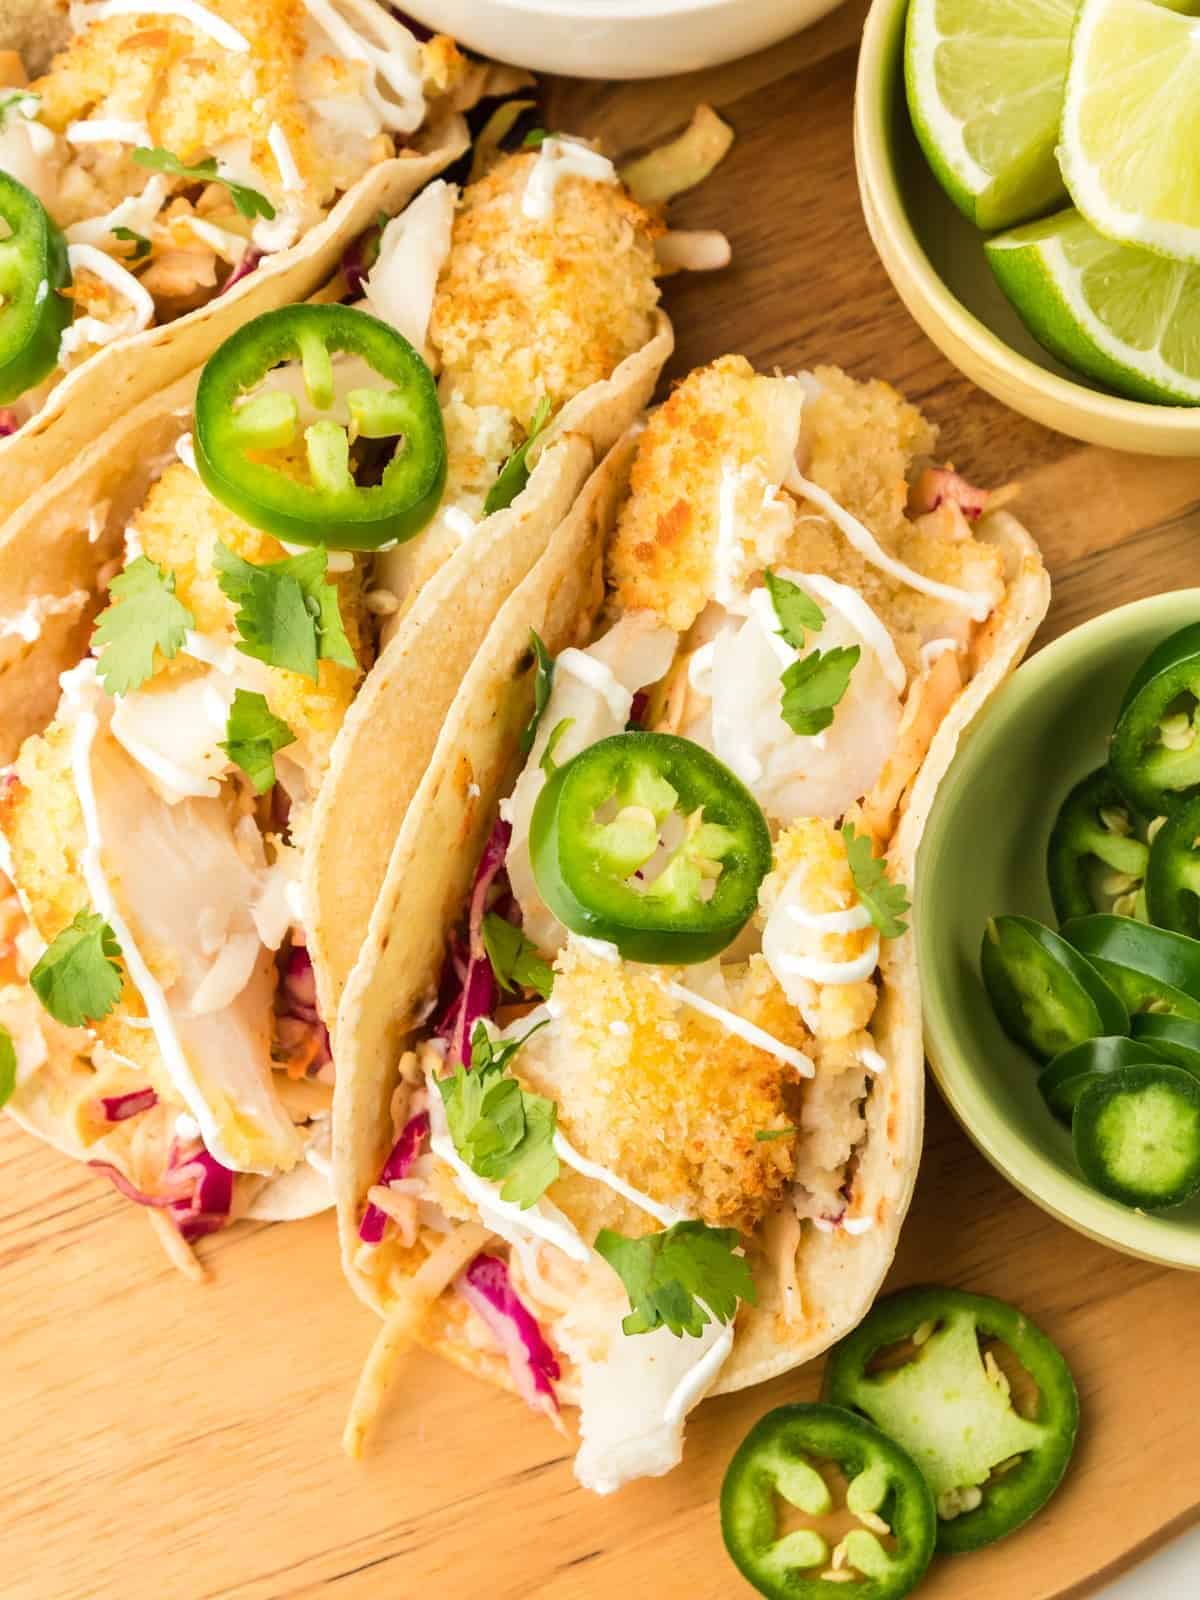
667 1098
722 421
528 309
179 527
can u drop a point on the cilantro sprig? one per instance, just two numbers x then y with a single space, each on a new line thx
542 684
288 616
248 202
253 735
515 959
682 1278
548 763
78 979
145 617
22 100
798 612
8 1067
886 901
764 1135
141 245
500 1130
814 685
514 474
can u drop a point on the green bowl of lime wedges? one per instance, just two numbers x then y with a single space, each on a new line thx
984 855
1031 179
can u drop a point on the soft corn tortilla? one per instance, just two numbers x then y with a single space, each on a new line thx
123 374
430 876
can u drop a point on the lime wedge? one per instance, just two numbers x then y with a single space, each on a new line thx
1130 149
1127 317
985 84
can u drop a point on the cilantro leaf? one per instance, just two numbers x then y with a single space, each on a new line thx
78 978
515 959
247 202
514 474
764 1134
813 685
681 1278
535 139
253 737
887 902
141 245
501 1131
548 764
287 615
146 617
798 612
542 684
8 1067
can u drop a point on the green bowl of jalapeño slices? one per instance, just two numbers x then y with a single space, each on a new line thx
1058 920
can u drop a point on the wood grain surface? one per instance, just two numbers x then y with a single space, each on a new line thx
164 1441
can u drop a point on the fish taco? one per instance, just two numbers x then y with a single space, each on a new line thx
168 167
186 894
629 1108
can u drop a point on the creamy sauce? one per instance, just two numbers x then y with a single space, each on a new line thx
90 330
137 212
935 649
835 973
861 618
103 899
851 921
392 56
200 17
732 1023
543 1219
558 159
459 522
569 1156
692 1387
185 449
97 130
872 1060
977 606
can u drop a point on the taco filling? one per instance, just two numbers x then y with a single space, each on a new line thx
161 993
642 1132
171 148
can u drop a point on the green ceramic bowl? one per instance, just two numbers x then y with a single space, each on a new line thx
984 852
935 260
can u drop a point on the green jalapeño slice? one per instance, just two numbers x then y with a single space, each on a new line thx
647 841
1151 969
1046 996
1095 860
980 1398
327 490
34 271
1155 750
816 1494
1173 876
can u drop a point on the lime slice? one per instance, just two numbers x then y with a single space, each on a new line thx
1127 317
985 84
1131 123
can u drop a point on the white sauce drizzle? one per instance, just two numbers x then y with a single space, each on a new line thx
739 1026
543 1219
200 17
567 1153
397 62
862 619
977 606
90 329
459 522
185 449
871 1059
832 972
557 159
693 1385
858 1224
83 734
96 130
598 675
850 921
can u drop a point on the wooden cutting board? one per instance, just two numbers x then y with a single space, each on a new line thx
164 1441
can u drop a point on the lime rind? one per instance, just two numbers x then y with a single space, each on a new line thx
984 86
1123 316
1131 123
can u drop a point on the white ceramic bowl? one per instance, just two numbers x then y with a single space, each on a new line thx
617 38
